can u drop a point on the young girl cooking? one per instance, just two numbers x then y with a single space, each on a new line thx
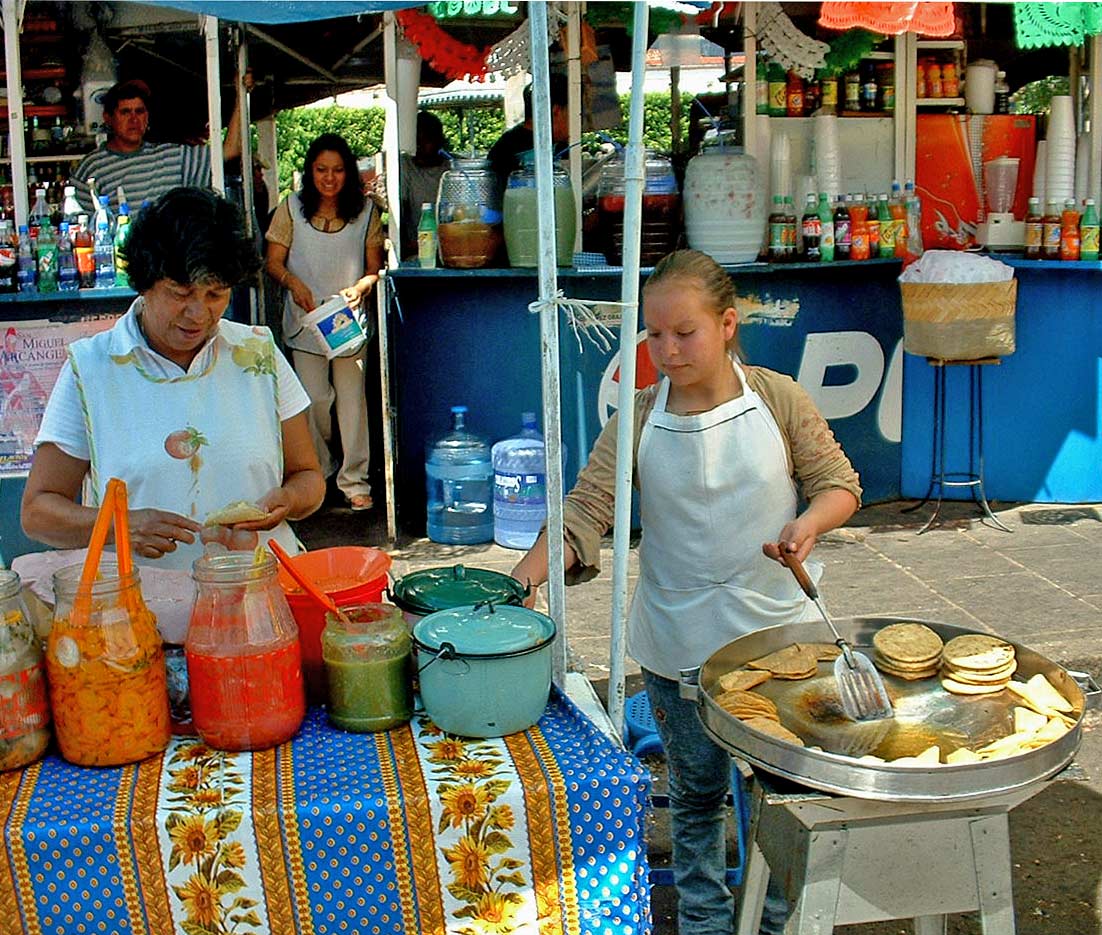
719 449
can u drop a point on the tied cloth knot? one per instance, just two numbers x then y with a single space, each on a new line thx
584 317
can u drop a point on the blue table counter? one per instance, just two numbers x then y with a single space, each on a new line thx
1042 424
466 337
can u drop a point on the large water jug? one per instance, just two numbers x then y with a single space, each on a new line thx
724 203
520 486
521 208
468 214
460 474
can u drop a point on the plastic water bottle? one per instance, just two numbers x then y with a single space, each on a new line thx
39 213
914 218
103 253
70 207
122 234
459 476
28 265
68 280
520 486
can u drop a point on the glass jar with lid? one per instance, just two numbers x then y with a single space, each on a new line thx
468 214
244 663
24 710
369 666
661 216
106 669
521 210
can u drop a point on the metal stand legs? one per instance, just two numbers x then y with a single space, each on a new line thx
940 479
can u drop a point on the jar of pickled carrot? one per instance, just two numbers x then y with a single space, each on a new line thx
244 664
106 669
24 710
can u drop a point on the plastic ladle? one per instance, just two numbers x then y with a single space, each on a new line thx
306 584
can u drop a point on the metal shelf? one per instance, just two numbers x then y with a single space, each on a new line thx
940 102
75 157
933 44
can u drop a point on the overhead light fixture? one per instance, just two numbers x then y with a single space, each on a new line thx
685 48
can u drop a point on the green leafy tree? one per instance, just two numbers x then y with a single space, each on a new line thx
1036 97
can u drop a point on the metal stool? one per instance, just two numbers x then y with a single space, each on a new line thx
940 479
643 738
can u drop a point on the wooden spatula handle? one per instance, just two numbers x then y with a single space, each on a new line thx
802 578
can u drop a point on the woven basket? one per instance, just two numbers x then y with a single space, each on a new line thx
965 321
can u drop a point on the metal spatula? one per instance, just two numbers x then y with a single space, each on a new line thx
860 687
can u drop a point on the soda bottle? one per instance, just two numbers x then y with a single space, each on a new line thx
826 229
898 209
1069 232
103 251
68 280
9 259
887 227
28 265
913 211
1002 93
1088 232
794 95
776 231
869 89
1034 230
46 255
858 228
811 228
791 235
83 253
426 237
122 233
39 213
761 85
843 235
1050 232
778 91
70 208
873 224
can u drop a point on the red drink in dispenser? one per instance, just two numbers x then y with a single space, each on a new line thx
243 655
661 221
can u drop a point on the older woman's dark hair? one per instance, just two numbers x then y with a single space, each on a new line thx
190 235
350 199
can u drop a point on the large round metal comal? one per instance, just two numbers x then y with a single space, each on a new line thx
925 714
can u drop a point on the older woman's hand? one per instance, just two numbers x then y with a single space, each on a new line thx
154 533
278 505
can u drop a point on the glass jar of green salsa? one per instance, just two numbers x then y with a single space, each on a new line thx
369 666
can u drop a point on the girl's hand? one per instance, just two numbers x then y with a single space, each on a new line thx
302 295
798 538
154 533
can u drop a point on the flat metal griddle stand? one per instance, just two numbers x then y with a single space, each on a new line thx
842 860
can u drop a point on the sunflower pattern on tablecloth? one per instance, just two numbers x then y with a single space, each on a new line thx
475 831
205 832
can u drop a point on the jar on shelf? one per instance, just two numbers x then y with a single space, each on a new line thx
725 202
520 206
24 709
244 663
933 80
920 79
661 220
106 670
468 214
950 80
368 662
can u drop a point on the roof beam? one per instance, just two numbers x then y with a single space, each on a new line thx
287 50
365 41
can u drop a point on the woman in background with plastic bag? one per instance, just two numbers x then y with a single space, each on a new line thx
326 240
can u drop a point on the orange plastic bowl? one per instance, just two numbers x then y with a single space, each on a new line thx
350 574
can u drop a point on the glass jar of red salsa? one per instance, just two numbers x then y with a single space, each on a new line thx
244 664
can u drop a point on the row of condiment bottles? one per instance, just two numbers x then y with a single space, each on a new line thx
104 665
1061 235
850 228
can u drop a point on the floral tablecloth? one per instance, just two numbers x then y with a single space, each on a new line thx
408 831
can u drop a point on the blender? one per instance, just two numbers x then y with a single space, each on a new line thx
1000 181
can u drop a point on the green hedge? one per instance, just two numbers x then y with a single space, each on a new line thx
476 130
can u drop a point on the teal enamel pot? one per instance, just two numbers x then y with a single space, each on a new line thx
485 669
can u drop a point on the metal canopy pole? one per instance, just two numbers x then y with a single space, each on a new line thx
17 144
248 196
549 328
214 102
629 297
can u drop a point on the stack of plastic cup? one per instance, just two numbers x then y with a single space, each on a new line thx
1060 157
781 164
828 160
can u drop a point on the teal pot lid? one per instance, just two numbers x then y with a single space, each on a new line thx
423 592
487 630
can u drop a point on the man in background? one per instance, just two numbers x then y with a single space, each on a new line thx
507 153
144 170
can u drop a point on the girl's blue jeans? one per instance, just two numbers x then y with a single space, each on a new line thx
699 779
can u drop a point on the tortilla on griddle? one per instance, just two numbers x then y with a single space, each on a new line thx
963 688
978 652
798 661
773 729
747 704
913 643
743 679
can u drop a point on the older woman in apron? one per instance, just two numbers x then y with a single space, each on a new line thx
719 450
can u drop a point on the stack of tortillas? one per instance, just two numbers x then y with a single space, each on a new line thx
907 650
758 712
977 664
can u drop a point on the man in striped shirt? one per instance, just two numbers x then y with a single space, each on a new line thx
144 170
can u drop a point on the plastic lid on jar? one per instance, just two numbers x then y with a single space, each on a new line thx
486 630
372 631
423 592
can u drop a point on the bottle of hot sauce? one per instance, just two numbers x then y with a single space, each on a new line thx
1050 232
1034 230
1069 232
794 95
